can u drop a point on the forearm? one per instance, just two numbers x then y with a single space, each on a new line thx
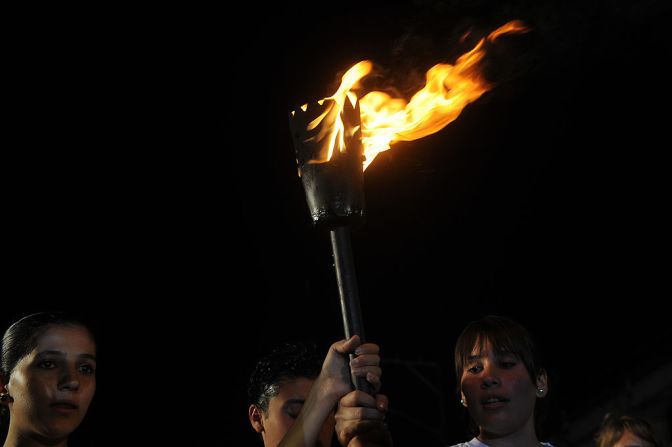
316 409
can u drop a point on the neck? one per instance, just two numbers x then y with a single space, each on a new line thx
16 438
524 437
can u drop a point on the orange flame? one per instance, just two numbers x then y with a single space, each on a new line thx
333 128
386 120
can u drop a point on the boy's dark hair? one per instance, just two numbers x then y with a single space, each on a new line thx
286 362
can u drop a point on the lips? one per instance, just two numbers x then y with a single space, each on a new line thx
64 404
494 401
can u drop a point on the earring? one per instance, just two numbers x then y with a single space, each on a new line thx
4 397
464 404
540 391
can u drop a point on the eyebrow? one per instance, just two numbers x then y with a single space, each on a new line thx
62 354
498 355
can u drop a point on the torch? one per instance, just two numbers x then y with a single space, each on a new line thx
335 141
327 139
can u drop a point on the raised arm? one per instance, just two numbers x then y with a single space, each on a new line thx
333 383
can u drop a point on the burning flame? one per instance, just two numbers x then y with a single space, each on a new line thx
386 120
330 119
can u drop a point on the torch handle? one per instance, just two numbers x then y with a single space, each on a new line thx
348 292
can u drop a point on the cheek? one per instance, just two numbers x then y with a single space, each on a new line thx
30 397
278 424
469 385
90 392
522 384
29 389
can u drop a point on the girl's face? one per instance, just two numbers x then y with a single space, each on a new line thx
498 392
53 385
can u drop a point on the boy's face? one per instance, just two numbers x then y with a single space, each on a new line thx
284 408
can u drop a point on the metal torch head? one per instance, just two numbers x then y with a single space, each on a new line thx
330 160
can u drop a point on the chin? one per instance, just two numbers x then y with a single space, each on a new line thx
60 431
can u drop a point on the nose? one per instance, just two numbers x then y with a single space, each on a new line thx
489 378
68 380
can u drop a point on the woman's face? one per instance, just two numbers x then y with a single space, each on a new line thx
498 392
53 385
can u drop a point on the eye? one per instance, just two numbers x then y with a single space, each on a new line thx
293 410
47 364
87 369
475 369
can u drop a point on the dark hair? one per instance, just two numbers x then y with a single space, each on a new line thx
504 336
284 363
614 426
21 337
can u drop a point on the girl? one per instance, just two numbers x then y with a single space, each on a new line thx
500 382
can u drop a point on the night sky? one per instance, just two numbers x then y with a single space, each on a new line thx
156 177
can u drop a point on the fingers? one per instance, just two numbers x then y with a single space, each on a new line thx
367 348
345 414
374 380
358 399
372 375
351 421
361 399
366 364
364 433
365 370
347 346
359 413
365 360
382 402
354 345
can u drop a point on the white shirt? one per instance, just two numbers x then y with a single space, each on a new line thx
476 443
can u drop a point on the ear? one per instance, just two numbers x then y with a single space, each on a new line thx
542 384
256 418
463 400
5 398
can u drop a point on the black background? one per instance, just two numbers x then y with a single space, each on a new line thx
150 180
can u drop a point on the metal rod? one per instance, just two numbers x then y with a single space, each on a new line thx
349 294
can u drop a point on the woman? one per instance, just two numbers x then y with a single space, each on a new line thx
47 378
